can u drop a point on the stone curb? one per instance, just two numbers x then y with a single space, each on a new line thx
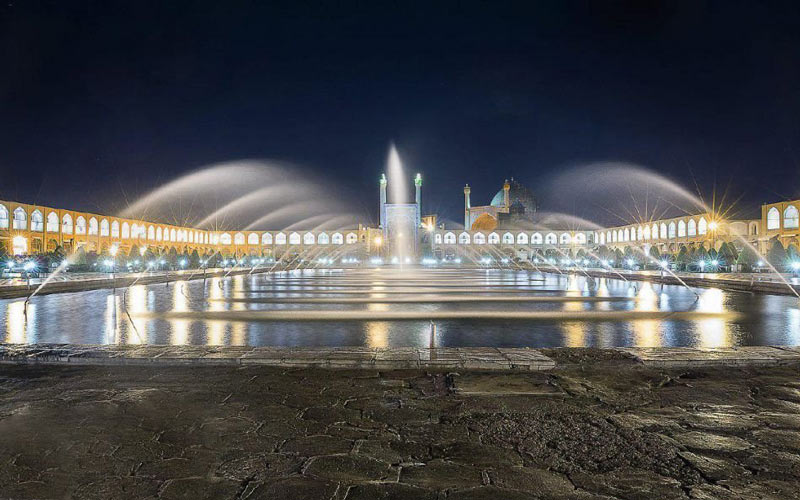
683 357
487 358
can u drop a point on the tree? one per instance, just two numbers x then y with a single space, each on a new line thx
747 259
727 255
683 259
776 254
791 253
194 260
618 257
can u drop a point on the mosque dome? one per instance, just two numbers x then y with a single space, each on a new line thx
517 195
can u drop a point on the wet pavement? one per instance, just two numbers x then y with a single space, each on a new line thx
599 425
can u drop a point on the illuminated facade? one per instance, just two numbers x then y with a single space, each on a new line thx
781 221
669 234
494 231
35 229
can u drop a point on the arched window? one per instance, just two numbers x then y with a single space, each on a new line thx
20 218
252 239
115 229
633 234
691 228
173 235
191 237
151 233
626 235
654 231
790 218
338 239
294 239
494 238
773 219
602 238
522 238
308 239
93 227
80 225
479 239
437 238
351 238
508 239
449 238
580 238
672 230
280 239
663 232
238 239
105 228
266 239
134 230
3 217
681 229
37 221
225 239
620 235
639 233
463 238
159 234
646 232
565 239
550 239
702 226
126 230
536 239
323 239
609 236
66 224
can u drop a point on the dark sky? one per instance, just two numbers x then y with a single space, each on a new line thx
102 101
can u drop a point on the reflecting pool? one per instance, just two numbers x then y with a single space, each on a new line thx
385 308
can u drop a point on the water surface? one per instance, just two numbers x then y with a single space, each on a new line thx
99 316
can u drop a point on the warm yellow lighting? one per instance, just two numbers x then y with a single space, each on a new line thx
378 240
20 245
712 226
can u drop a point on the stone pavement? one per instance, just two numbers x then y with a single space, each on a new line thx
394 358
600 425
477 358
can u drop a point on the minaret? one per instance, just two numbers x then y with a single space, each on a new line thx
383 200
418 199
506 189
466 207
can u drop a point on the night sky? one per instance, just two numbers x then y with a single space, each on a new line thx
102 101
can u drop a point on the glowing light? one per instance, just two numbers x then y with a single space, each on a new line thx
795 265
664 264
715 263
30 265
113 250
712 226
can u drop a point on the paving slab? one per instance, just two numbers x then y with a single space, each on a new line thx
717 357
439 358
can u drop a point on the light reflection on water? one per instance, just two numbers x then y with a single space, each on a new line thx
99 317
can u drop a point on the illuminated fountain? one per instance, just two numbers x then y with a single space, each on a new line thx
399 219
